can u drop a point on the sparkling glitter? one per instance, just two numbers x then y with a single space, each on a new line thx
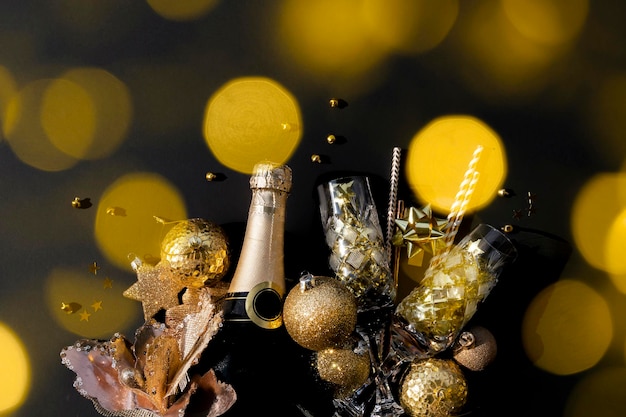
433 387
447 298
344 368
321 316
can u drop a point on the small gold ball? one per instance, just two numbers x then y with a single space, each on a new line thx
433 387
333 102
316 158
344 368
331 139
321 315
210 176
507 228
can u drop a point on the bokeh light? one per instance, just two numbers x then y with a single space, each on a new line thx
547 21
595 220
252 119
616 252
567 328
600 393
438 157
8 88
182 10
103 309
409 26
86 113
606 115
15 373
498 61
125 225
329 40
25 134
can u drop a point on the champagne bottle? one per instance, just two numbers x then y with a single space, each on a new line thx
257 288
254 353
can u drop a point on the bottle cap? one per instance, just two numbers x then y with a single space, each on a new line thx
271 176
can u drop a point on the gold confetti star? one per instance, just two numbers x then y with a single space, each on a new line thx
94 268
84 315
157 288
107 283
97 305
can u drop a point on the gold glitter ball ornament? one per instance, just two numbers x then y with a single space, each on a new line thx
475 348
198 250
433 387
320 312
344 368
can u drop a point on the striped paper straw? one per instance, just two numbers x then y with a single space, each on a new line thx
392 208
459 206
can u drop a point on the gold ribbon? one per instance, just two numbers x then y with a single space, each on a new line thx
420 232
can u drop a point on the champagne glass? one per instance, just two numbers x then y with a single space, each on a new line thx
453 288
358 253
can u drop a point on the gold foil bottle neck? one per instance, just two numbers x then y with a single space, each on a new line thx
269 175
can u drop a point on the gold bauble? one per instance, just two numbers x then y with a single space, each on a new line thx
475 349
320 312
433 387
198 251
344 368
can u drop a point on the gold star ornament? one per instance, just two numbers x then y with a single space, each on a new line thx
157 288
419 231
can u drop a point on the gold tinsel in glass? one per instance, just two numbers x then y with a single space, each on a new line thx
344 368
433 387
198 250
320 312
447 297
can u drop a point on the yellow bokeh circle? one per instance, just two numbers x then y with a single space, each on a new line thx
440 154
14 370
125 222
567 328
252 119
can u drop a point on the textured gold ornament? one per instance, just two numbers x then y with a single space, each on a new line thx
344 368
433 387
475 349
320 312
198 250
157 288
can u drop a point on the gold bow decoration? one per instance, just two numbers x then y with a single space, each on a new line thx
419 231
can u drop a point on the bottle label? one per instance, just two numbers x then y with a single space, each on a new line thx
262 306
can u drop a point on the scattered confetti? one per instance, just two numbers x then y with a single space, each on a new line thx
70 308
81 203
84 315
94 268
